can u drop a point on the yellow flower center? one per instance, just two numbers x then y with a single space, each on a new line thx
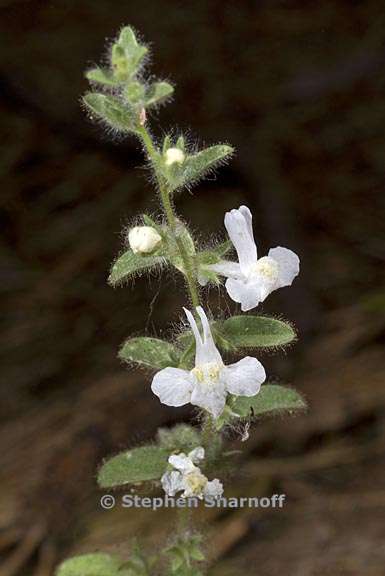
266 267
196 481
207 372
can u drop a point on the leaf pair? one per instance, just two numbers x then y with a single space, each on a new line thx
149 463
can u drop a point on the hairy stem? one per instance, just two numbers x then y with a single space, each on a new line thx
188 264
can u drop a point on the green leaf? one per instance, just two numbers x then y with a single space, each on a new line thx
130 264
110 110
256 332
195 166
92 565
157 93
137 465
271 399
150 352
239 332
101 75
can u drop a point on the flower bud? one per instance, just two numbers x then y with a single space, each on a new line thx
143 239
174 156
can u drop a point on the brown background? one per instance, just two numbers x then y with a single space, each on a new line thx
299 89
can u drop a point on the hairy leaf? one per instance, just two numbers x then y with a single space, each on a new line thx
150 352
158 93
136 465
98 564
130 264
272 398
256 331
101 75
110 109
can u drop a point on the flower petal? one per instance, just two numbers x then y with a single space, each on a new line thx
197 454
288 265
172 482
181 462
245 211
173 386
244 378
248 294
213 489
226 268
210 397
237 227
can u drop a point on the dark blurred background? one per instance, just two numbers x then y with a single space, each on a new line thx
299 89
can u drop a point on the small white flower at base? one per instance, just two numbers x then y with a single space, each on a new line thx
209 382
143 239
174 156
188 478
251 280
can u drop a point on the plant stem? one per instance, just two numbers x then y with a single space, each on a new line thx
168 208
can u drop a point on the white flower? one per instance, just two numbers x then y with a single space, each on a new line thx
251 279
209 382
143 239
187 477
174 156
